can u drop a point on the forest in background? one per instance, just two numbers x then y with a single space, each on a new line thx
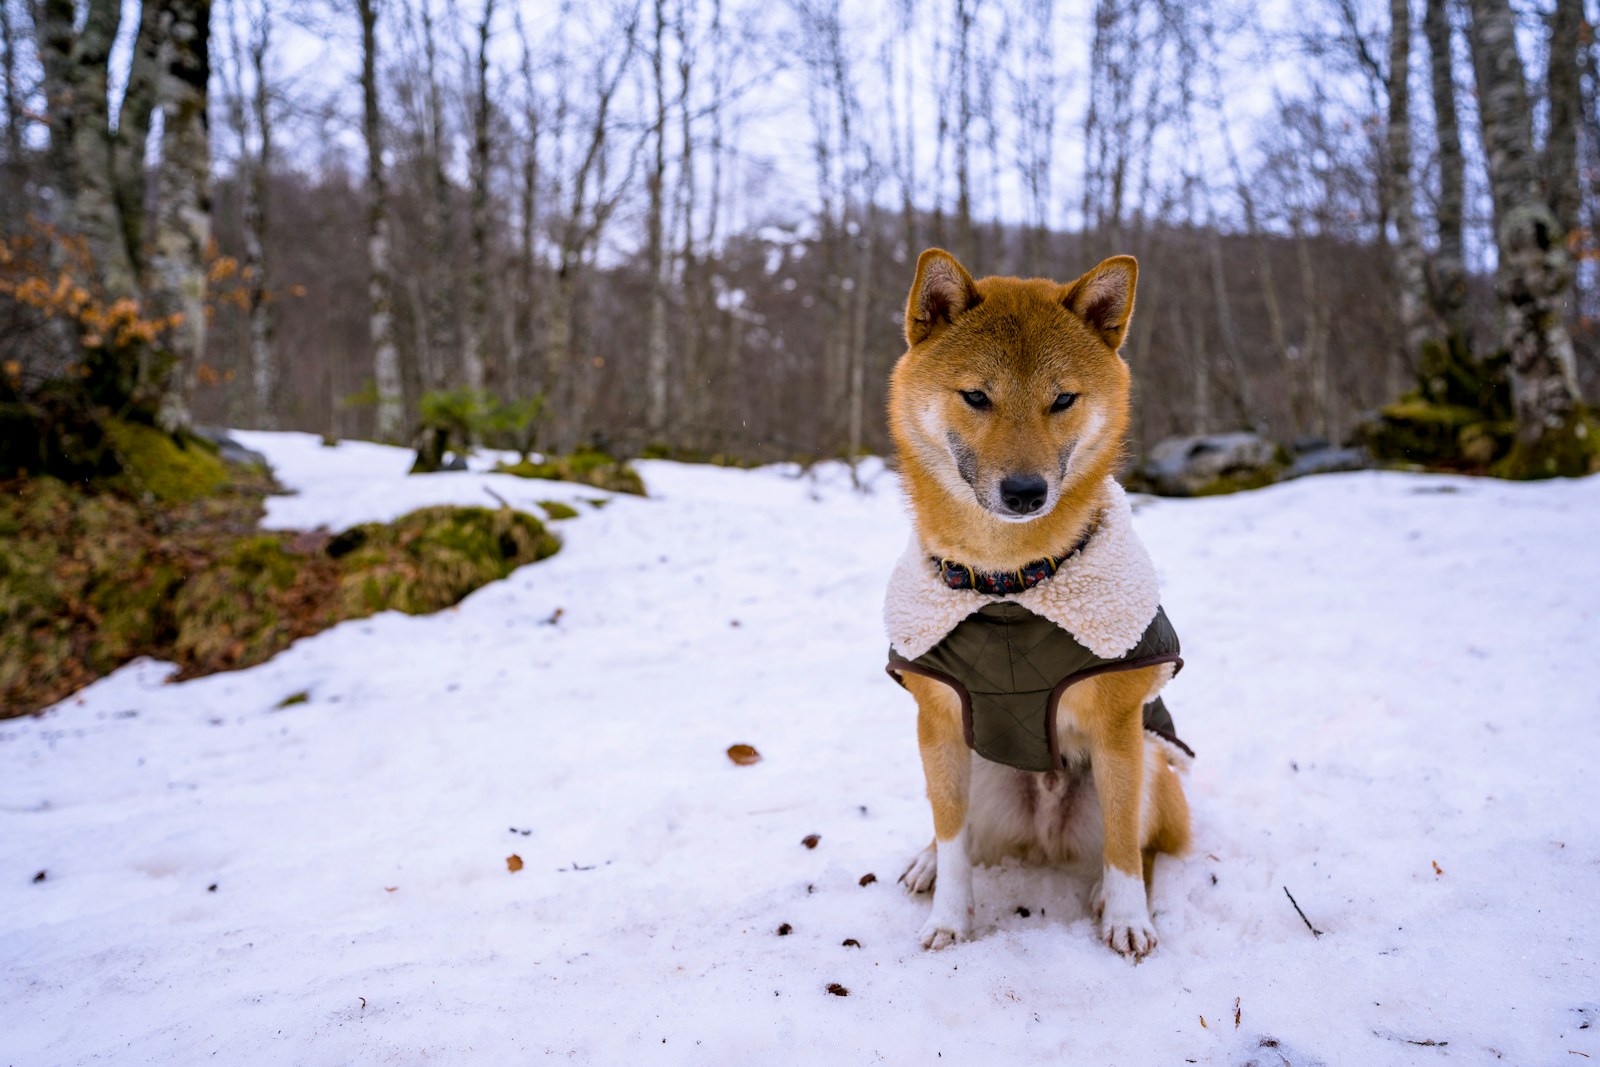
691 224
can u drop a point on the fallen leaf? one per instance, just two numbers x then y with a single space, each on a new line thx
1022 911
785 930
39 877
1237 1016
1203 1025
513 863
744 755
1436 868
212 888
850 942
867 879
838 990
810 840
390 888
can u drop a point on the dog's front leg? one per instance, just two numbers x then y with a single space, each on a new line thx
1116 734
947 766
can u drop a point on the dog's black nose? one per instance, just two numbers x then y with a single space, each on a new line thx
1024 493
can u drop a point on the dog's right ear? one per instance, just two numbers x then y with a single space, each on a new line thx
942 292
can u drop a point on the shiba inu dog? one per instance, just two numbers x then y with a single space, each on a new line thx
1024 616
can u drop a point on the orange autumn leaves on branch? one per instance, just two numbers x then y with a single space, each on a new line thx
53 273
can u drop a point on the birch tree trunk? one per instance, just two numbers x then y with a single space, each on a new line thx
656 354
1564 92
520 357
14 118
1415 328
1449 283
75 63
473 354
179 253
1534 273
380 299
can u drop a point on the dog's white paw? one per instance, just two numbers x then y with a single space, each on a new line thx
937 933
921 873
1118 901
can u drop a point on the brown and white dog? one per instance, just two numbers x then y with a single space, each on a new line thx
1009 411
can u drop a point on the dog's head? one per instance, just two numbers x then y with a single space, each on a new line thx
1012 389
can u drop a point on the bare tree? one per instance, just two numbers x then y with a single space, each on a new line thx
1534 272
656 352
1416 329
473 354
252 123
1449 281
380 299
11 89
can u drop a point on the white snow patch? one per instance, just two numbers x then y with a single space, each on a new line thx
1384 672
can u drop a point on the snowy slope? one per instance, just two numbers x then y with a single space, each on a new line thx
1385 672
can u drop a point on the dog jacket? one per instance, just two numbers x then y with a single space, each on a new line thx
1010 657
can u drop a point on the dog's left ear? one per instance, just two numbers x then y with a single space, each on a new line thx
1104 298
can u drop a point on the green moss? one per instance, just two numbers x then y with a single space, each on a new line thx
587 466
431 558
555 510
1569 451
1257 478
302 697
171 470
89 580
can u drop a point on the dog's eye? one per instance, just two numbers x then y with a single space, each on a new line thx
976 398
1063 401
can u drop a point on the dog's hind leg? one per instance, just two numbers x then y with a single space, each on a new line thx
922 870
947 766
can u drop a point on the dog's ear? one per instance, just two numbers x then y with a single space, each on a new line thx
1104 298
942 292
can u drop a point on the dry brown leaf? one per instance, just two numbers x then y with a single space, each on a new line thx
785 930
744 755
838 990
867 879
513 863
810 840
1436 868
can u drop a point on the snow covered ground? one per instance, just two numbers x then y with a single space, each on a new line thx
1390 687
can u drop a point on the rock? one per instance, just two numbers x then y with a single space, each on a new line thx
230 450
1208 464
1327 460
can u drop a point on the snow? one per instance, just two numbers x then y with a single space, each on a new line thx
1385 672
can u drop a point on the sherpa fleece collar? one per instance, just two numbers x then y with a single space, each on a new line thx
1105 596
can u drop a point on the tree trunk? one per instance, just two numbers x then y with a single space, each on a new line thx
14 118
380 299
1449 283
474 353
263 361
656 354
520 357
1564 92
1412 281
179 254
1534 273
75 65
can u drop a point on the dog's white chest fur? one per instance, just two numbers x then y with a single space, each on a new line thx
1105 596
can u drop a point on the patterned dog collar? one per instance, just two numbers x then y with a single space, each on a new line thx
1002 583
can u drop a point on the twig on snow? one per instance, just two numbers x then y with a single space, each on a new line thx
503 501
1314 931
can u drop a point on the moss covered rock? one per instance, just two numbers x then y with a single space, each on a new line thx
587 465
92 579
431 558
